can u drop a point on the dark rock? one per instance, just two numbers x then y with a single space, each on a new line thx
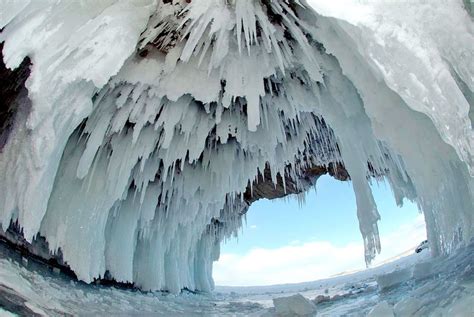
12 85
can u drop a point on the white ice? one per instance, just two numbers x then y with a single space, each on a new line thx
135 163
447 291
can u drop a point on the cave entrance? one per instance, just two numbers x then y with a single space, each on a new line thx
313 236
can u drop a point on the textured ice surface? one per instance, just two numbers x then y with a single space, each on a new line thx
422 270
294 305
382 309
449 292
391 279
150 119
407 307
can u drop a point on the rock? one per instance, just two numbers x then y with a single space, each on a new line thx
321 299
382 309
295 305
263 186
337 297
12 87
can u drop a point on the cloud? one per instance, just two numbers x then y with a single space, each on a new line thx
253 226
312 260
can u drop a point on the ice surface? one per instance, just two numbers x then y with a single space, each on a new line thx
295 305
448 293
407 307
464 307
149 119
422 270
391 279
382 309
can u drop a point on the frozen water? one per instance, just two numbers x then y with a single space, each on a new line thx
149 120
391 279
294 305
27 288
422 270
382 309
407 307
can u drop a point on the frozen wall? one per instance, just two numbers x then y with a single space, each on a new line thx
149 120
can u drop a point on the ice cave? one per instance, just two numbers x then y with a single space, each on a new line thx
135 134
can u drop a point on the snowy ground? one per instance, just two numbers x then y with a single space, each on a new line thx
439 287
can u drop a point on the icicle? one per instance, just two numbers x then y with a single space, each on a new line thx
174 135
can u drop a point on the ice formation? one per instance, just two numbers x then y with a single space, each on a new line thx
146 121
295 305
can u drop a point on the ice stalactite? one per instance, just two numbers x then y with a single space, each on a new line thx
152 122
63 44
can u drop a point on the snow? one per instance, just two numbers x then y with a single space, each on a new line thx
136 164
5 313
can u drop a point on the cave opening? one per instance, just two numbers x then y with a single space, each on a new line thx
314 235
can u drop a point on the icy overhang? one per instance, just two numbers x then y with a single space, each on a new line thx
149 126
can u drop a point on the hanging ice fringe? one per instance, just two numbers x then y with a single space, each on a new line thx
150 119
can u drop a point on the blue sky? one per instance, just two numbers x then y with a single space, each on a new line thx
284 242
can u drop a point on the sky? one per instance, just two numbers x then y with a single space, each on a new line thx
284 241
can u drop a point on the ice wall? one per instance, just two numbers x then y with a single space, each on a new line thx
149 120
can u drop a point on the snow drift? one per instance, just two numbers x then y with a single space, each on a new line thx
143 123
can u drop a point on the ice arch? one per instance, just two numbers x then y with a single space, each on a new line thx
145 128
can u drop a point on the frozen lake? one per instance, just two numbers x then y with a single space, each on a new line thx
419 286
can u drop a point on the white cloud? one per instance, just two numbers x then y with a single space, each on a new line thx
253 226
309 260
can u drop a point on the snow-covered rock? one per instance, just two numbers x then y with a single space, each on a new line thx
295 305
